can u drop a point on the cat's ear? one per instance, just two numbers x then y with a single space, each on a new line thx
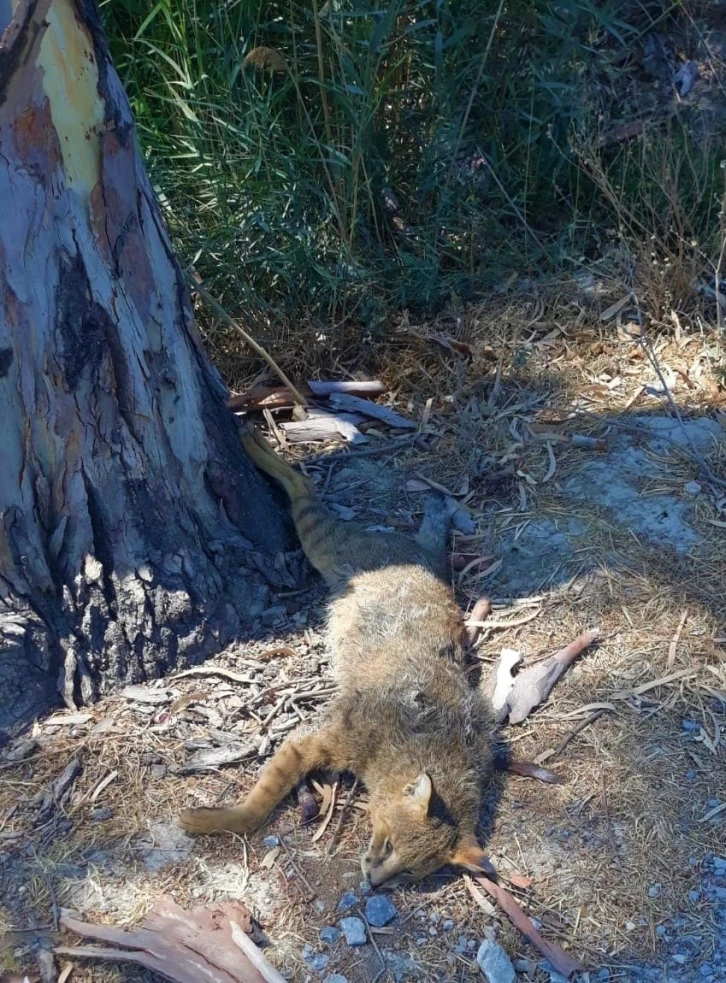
469 854
419 792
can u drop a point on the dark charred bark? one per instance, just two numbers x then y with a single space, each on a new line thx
133 530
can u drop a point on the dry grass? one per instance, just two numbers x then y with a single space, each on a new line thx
627 817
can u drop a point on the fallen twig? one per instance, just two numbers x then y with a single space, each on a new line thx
560 960
58 791
198 287
572 734
673 647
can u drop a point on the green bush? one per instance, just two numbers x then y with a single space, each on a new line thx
328 162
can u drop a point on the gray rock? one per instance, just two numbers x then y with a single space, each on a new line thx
554 976
380 910
335 978
693 488
494 963
317 961
448 925
271 841
402 967
348 900
354 930
329 934
654 891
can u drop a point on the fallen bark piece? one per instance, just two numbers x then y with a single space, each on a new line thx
562 961
321 425
532 686
280 397
58 791
213 758
205 945
354 387
354 404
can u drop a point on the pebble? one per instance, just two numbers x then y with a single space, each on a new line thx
461 943
679 959
719 862
448 925
654 891
690 775
692 488
523 965
690 725
694 895
712 803
554 975
380 910
348 900
329 934
317 961
335 978
354 930
494 963
271 841
603 975
365 887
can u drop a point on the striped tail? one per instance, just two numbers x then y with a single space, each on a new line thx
321 534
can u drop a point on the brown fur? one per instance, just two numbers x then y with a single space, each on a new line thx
406 720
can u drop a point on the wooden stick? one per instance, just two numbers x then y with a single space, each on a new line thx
222 314
562 961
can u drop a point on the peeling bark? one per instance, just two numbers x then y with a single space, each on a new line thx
133 529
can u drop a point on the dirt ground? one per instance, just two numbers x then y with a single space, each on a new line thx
621 528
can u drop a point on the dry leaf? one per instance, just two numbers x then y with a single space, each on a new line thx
263 58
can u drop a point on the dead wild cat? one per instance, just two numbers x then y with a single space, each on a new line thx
406 721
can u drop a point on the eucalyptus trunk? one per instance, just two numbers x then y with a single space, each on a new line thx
134 532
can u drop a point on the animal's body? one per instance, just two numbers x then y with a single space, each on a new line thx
406 722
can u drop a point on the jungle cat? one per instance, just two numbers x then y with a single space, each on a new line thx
406 721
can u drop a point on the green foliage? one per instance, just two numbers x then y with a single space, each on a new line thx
284 134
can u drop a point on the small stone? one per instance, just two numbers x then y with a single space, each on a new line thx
536 924
719 862
329 934
713 803
365 887
335 978
317 961
523 965
603 975
694 895
679 958
102 814
690 725
271 841
354 930
348 900
630 926
433 931
654 891
690 775
705 969
692 488
380 910
660 931
554 975
461 943
494 963
421 940
448 925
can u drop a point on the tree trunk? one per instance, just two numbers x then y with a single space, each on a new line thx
132 527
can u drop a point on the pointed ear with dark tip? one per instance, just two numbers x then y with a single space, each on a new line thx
419 792
470 855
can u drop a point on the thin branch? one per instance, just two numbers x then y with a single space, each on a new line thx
222 314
